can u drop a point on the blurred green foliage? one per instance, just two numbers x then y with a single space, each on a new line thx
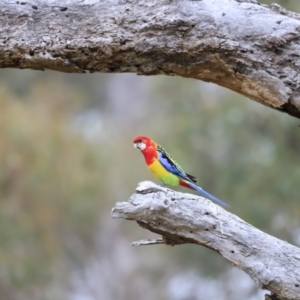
62 171
50 185
292 5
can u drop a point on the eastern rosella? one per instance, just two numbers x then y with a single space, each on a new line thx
165 168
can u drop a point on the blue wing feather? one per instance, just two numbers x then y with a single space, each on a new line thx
169 164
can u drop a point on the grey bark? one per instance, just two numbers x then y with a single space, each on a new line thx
181 218
239 44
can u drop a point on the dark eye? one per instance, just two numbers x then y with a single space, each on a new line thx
140 141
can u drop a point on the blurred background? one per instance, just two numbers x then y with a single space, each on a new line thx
66 158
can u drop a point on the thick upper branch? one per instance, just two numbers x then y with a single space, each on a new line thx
180 218
239 44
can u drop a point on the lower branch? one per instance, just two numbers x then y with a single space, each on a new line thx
181 218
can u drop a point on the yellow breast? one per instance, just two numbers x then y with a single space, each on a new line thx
161 173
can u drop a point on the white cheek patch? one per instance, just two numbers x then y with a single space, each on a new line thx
140 146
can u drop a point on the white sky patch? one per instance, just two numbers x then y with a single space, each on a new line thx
90 124
234 284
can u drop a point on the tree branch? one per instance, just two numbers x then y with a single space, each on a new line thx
239 44
181 218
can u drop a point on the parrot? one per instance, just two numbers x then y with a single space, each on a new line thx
165 168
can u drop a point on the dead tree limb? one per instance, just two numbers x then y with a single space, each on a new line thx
180 218
239 44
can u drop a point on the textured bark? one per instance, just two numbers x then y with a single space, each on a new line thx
239 44
181 218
